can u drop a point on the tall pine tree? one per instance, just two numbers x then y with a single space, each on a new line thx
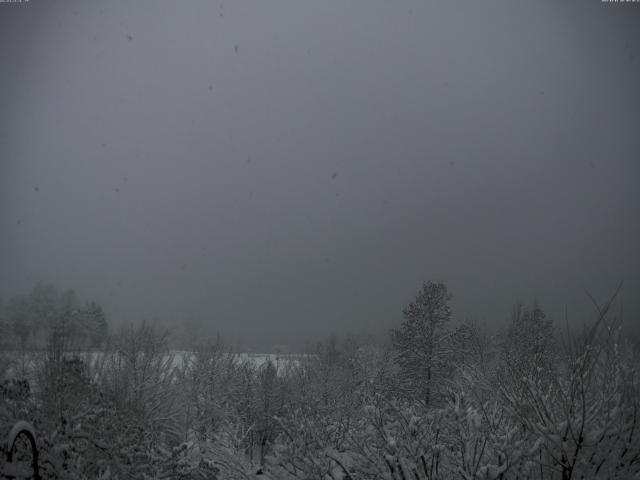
422 343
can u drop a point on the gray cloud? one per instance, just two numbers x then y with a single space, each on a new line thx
287 169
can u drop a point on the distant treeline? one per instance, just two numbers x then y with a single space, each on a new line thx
46 314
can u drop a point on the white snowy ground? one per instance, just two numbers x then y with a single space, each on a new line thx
14 365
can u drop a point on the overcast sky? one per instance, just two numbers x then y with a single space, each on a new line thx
287 169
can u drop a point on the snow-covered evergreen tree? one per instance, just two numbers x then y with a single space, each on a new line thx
422 342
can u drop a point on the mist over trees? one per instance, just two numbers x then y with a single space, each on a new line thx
29 320
315 240
32 318
435 402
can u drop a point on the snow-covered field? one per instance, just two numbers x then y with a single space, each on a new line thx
14 364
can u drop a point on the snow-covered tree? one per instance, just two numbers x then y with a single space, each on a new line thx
422 342
528 348
583 419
